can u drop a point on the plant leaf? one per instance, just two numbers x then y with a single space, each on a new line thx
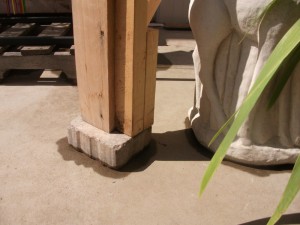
286 45
289 194
267 9
228 122
286 69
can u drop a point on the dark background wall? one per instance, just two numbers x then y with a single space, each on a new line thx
43 6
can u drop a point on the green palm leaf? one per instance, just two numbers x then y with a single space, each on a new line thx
287 68
289 194
287 44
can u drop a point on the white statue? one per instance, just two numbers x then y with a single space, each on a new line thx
231 50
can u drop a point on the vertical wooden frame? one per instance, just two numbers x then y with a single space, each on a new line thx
116 58
150 81
130 64
151 9
94 40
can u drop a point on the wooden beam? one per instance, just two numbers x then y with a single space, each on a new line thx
15 31
57 61
150 82
151 9
116 58
130 64
94 40
53 30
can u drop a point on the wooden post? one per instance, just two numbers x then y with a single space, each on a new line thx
150 81
130 64
94 40
116 58
151 9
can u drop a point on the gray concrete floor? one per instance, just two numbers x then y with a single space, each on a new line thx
45 181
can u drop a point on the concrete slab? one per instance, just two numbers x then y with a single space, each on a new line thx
112 149
43 180
175 48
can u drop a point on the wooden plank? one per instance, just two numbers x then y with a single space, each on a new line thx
150 83
53 30
57 61
50 74
94 40
72 50
130 64
17 30
3 48
151 9
3 74
3 27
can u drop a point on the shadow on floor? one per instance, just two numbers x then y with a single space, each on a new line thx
69 153
171 146
175 58
34 78
285 219
167 34
182 146
260 171
175 146
178 145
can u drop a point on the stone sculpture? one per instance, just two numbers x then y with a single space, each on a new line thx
231 50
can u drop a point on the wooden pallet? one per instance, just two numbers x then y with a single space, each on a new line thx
37 57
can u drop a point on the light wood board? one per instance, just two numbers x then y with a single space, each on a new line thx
93 22
53 30
150 82
15 31
130 64
151 9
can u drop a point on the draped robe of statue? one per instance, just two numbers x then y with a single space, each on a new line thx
231 50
